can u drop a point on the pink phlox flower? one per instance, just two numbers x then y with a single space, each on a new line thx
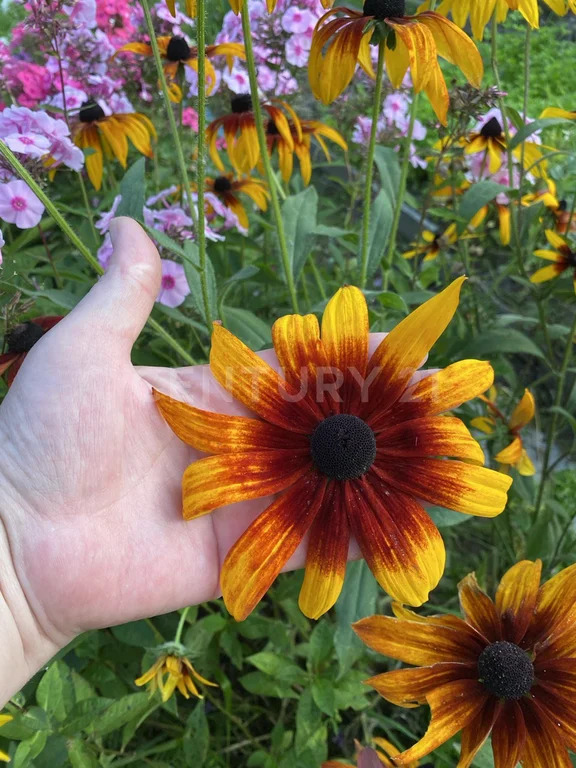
105 251
19 205
298 50
2 244
103 223
75 97
32 145
297 20
190 118
237 79
174 287
82 12
162 195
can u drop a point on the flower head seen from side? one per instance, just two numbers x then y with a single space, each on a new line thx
348 441
176 53
508 669
490 139
20 340
173 671
368 757
108 135
342 38
514 454
4 758
433 243
563 258
228 189
239 128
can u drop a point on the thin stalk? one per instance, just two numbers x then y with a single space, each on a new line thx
401 192
201 144
88 209
17 166
181 623
184 180
376 103
527 46
554 419
268 172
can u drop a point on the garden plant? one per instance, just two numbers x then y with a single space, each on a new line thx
287 383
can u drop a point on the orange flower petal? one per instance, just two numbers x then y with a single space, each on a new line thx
437 93
478 609
475 734
422 643
545 746
220 433
405 348
144 49
430 436
516 598
219 480
326 556
410 687
420 46
398 540
508 736
452 484
555 607
260 553
453 706
454 45
256 384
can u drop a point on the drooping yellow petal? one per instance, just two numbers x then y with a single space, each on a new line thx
557 111
555 240
524 411
511 454
483 423
545 274
525 466
455 46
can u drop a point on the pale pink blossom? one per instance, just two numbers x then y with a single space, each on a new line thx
190 118
105 252
103 223
298 20
298 50
237 80
32 145
174 287
19 205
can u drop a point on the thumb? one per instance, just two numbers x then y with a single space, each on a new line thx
117 307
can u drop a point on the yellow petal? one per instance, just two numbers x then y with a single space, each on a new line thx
545 274
524 411
555 240
455 46
516 598
511 454
525 466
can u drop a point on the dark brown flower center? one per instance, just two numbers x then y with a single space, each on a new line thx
271 128
222 184
492 129
178 49
241 103
384 9
90 112
343 447
506 670
23 337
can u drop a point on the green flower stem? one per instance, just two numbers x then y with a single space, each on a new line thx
268 172
551 434
197 218
401 192
182 622
78 244
376 105
201 148
88 208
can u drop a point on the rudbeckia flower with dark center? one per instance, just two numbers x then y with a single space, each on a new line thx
20 340
508 668
227 188
352 444
241 135
412 42
173 671
108 135
563 256
176 52
491 140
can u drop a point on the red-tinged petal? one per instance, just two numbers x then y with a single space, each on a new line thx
14 368
220 433
478 609
453 706
516 598
524 411
419 43
476 733
326 556
47 322
548 273
508 736
330 74
397 538
260 553
453 484
345 333
7 360
430 436
302 357
544 747
454 45
421 643
555 610
256 384
219 480
410 687
557 706
439 392
404 349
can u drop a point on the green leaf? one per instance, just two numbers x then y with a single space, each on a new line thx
197 736
59 297
192 270
479 194
392 300
29 749
299 214
247 326
136 633
535 125
263 685
324 696
80 755
55 692
386 160
381 216
83 715
507 340
277 667
321 643
445 518
166 242
120 712
132 189
325 231
358 599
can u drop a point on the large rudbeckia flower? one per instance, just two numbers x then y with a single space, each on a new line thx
227 188
173 671
412 42
563 257
508 668
3 720
176 52
19 342
109 134
241 135
350 441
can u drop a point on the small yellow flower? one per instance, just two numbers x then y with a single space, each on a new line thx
563 256
172 671
433 243
514 454
4 758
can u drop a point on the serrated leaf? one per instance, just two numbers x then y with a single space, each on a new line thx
132 189
299 213
120 712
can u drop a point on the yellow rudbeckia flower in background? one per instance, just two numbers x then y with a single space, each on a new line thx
170 672
563 256
3 720
227 188
342 37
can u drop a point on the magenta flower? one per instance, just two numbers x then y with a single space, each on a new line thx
19 205
174 288
190 118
